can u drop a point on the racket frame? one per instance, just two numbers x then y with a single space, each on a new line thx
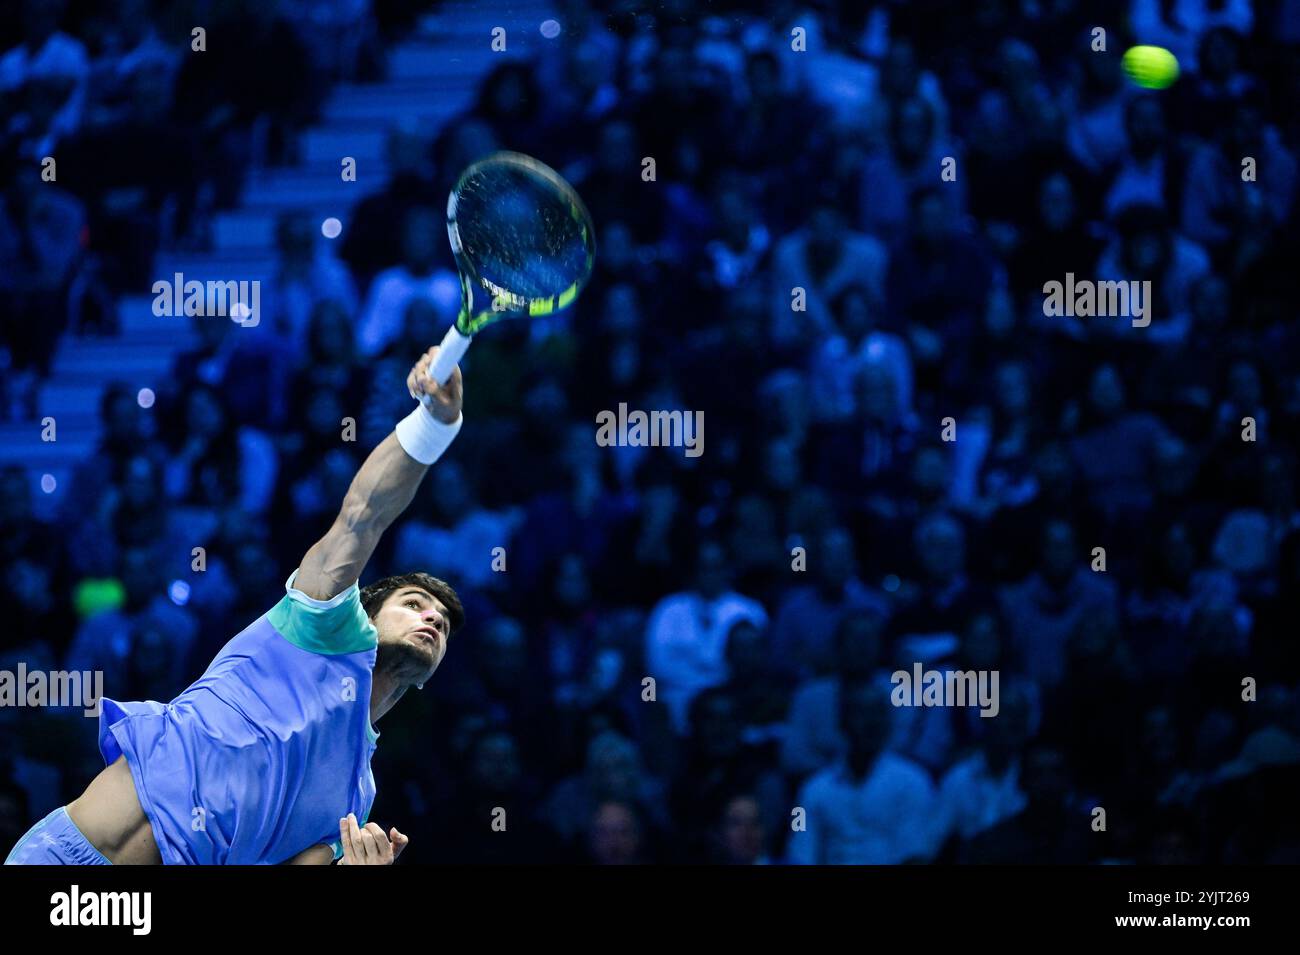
503 302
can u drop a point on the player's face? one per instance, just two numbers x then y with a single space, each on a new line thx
413 629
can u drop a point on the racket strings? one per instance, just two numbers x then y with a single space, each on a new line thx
520 233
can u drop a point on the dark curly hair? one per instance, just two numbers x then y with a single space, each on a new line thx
374 595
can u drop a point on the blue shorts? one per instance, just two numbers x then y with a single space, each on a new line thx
55 840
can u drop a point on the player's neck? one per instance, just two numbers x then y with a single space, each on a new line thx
385 690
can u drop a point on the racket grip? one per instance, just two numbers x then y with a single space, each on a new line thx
452 349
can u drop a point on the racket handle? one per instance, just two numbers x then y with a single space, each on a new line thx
452 349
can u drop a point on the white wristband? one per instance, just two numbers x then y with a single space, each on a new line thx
425 438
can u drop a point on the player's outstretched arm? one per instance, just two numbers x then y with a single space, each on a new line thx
384 485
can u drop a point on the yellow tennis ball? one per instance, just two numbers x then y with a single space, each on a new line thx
1151 67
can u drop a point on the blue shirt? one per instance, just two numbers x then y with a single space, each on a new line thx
262 755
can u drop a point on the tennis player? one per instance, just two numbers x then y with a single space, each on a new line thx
266 757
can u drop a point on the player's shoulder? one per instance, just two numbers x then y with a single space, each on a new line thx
335 626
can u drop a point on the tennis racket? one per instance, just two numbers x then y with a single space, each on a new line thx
524 246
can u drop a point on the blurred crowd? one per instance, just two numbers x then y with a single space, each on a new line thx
689 659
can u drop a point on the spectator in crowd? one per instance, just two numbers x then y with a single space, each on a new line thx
308 277
805 624
614 836
370 243
982 788
872 806
494 795
52 69
1046 829
417 274
741 838
612 775
147 636
718 761
822 260
1045 608
686 635
813 738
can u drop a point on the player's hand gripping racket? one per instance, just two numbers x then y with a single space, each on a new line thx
524 246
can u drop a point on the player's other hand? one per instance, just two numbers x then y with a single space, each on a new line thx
445 399
369 846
